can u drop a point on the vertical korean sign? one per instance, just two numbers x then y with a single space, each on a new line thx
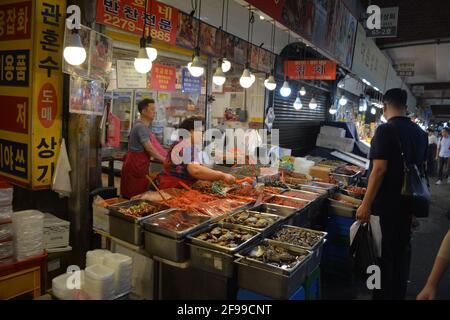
30 90
47 90
16 47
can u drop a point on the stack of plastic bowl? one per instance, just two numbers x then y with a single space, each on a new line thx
122 266
28 228
65 286
96 256
99 282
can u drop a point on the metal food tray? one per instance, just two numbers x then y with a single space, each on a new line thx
293 249
212 261
165 247
276 209
306 202
114 209
171 233
303 191
278 221
346 179
305 187
228 226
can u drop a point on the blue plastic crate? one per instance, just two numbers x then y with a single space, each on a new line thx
244 294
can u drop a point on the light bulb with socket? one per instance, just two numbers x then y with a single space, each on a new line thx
152 53
333 109
246 80
313 103
142 63
285 90
298 103
74 52
343 101
195 67
373 110
219 77
270 83
302 91
226 65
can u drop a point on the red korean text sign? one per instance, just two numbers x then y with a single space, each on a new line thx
15 21
15 114
310 69
129 15
163 78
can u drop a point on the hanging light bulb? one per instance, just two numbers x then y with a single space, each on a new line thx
313 104
152 53
285 90
302 91
298 103
226 65
142 63
252 77
74 52
246 78
219 77
343 101
373 110
333 109
195 67
270 83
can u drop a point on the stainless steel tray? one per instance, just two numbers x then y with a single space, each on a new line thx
346 179
165 247
114 209
317 195
277 221
148 226
213 261
321 233
207 244
262 265
282 211
305 202
305 187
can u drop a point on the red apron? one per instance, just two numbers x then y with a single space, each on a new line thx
135 168
167 181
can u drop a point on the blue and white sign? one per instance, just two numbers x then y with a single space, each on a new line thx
190 84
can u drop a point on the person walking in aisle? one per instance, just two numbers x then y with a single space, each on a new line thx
383 197
432 152
443 156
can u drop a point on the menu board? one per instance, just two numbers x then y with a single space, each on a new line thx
128 77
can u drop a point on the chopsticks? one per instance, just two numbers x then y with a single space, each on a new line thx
157 189
184 185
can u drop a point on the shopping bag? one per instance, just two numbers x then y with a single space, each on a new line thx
362 250
376 233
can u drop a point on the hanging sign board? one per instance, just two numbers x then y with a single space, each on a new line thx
129 15
310 69
128 77
389 20
31 37
163 78
190 84
404 68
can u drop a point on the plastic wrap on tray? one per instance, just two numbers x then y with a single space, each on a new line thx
177 220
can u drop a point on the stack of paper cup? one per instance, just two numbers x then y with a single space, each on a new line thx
122 266
96 256
99 282
28 229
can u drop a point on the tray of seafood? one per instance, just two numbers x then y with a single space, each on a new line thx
225 237
287 201
175 223
273 269
254 220
136 210
301 194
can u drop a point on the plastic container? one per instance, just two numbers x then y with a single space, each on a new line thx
6 213
96 256
6 249
301 165
56 232
99 282
6 231
28 236
66 291
122 266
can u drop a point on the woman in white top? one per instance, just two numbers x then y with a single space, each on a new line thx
431 153
443 155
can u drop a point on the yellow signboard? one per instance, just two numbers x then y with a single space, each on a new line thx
31 37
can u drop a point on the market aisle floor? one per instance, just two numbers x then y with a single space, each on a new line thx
425 245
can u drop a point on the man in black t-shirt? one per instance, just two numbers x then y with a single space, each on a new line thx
383 196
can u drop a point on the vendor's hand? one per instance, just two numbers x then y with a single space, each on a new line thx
363 213
228 178
427 293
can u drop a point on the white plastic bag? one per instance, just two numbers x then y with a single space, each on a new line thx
376 232
61 179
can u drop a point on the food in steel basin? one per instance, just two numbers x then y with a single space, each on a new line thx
277 184
276 256
178 220
139 210
286 202
301 195
356 190
297 237
225 237
251 219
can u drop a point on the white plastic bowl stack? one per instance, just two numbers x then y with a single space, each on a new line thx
62 290
302 165
123 268
28 228
96 256
99 282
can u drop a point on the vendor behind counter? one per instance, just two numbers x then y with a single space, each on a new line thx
183 162
142 146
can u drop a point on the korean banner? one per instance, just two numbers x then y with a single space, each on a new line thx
163 78
129 15
310 69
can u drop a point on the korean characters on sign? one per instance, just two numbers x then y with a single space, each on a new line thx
129 15
15 21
